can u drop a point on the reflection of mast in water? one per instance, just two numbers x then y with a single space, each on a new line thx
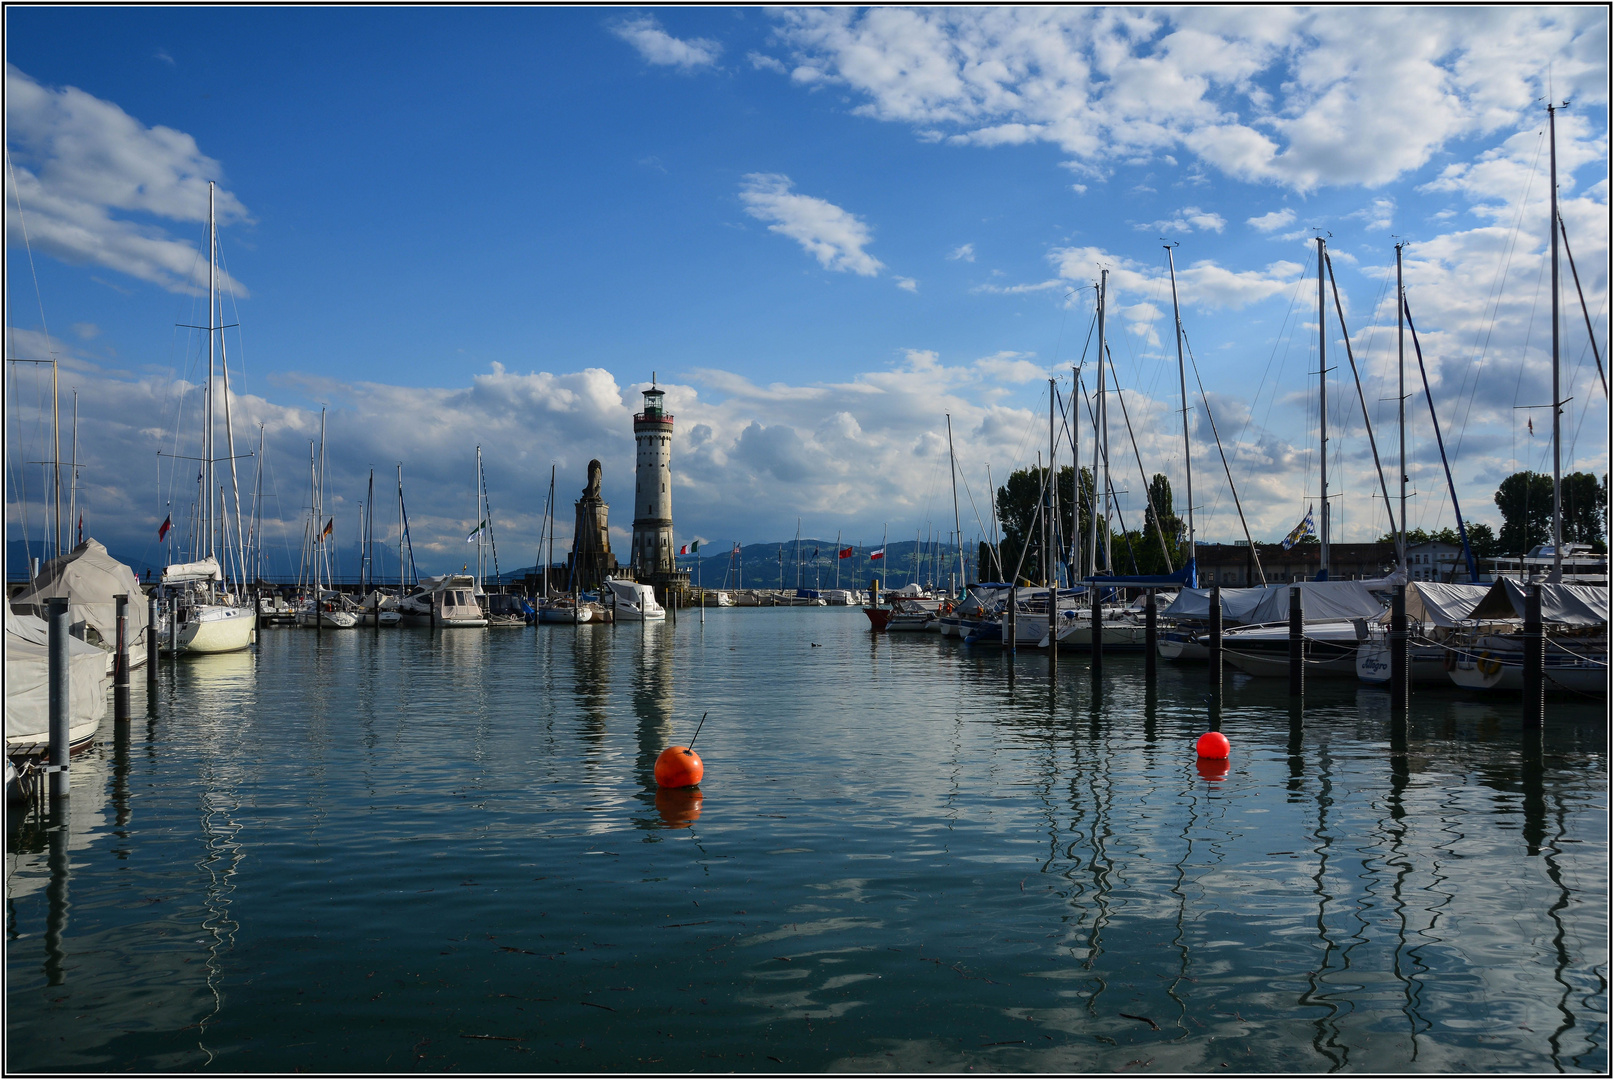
1411 981
223 853
1533 775
1326 1040
1100 863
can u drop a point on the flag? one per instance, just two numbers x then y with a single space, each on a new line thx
815 553
846 553
1305 528
476 532
736 547
1531 424
694 547
880 554
81 528
329 526
684 550
162 530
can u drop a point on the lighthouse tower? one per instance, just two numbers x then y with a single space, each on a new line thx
652 491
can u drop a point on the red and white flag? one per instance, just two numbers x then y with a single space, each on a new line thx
880 554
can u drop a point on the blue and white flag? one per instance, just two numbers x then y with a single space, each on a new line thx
1305 528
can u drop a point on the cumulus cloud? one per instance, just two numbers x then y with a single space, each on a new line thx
1272 222
659 47
908 283
93 181
1301 98
1186 220
963 253
831 235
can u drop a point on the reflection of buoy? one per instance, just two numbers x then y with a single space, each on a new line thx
1213 745
679 767
1212 768
678 806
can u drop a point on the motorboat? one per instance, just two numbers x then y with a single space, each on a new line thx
446 601
632 601
508 610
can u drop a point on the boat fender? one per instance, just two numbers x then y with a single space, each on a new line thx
1489 664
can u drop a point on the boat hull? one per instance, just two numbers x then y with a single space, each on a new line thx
215 630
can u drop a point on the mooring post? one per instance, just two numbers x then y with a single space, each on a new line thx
1097 632
1012 630
1215 647
120 661
153 614
375 610
1535 656
173 630
1297 644
1399 675
1151 636
1053 630
57 694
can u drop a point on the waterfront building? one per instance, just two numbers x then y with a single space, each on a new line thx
1233 565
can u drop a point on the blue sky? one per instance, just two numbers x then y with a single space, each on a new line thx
823 230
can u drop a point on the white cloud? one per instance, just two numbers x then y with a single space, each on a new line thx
80 160
762 62
964 253
1186 220
1271 222
1297 97
659 47
908 283
833 236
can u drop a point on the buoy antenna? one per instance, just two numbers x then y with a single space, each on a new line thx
697 734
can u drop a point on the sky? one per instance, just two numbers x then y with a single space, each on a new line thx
827 234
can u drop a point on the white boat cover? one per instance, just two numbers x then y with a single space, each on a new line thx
1565 605
28 680
206 570
89 578
1441 603
1319 601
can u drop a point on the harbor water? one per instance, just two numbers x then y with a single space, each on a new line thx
428 851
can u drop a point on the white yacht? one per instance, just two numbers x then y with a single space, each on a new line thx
447 601
632 601
206 620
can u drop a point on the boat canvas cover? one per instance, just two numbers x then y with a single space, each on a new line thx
1319 601
28 680
89 578
1565 605
1441 603
206 570
1237 604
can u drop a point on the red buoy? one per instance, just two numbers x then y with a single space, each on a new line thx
1212 768
1213 745
679 767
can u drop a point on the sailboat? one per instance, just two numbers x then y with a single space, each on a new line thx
207 617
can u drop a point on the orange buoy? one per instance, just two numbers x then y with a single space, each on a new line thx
679 767
1213 745
678 807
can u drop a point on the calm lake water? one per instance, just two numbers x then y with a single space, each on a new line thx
417 852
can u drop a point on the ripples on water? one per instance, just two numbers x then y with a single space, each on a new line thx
419 852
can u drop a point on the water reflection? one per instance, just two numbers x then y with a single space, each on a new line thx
678 807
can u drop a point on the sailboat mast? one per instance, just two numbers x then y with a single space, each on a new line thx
1557 453
1182 386
1322 402
1401 403
319 568
207 430
1101 483
72 490
400 532
551 529
952 466
1075 478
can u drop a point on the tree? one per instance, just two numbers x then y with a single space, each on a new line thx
1150 560
1023 527
1584 504
1525 499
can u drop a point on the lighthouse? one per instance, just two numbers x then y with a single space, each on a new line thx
652 491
